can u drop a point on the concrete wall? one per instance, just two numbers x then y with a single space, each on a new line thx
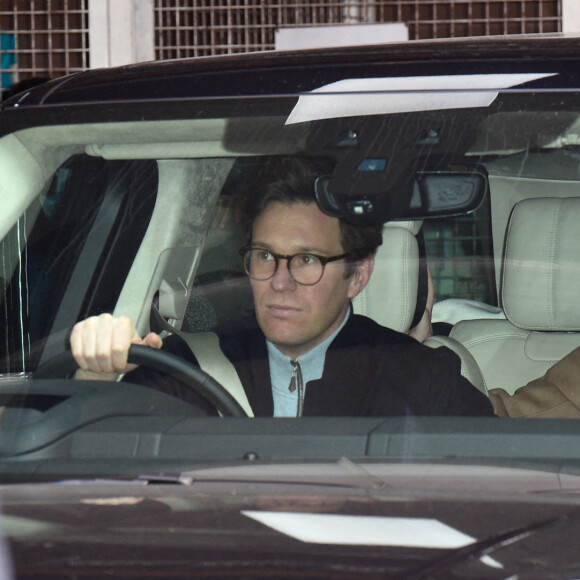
571 15
120 32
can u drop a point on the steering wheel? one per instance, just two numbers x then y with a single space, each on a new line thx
190 375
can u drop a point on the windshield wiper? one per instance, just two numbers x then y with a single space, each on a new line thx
480 549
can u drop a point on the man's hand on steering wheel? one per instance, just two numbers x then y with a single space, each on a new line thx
100 346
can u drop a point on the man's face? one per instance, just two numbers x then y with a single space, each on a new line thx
294 317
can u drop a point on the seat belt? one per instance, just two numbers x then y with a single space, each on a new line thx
206 349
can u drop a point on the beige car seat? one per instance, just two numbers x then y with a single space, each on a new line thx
539 295
390 297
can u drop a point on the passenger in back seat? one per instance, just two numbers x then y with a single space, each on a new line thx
309 354
556 395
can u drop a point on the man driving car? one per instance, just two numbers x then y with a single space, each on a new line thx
309 353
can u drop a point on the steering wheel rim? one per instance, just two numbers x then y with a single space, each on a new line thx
187 373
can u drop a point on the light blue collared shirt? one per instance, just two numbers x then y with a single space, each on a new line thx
311 365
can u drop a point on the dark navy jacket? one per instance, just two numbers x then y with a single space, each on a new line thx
369 370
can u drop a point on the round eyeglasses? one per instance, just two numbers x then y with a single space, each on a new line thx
305 269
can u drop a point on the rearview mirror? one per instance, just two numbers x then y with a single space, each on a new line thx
457 189
449 192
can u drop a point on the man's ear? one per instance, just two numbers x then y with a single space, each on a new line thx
361 276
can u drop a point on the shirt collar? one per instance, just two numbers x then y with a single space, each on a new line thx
313 356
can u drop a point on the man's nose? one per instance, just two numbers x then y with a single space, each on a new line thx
282 280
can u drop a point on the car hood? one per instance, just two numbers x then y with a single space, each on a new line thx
268 523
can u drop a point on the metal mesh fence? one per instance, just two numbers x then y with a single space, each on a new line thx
42 38
207 27
49 38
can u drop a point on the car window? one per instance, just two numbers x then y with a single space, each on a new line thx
69 254
145 216
79 239
460 255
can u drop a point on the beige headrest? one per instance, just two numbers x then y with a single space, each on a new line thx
390 297
541 276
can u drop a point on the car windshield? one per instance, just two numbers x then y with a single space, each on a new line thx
472 182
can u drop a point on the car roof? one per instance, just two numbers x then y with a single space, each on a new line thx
286 72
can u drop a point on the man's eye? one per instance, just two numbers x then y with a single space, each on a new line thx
307 259
263 256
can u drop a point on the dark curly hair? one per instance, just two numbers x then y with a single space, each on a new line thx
290 179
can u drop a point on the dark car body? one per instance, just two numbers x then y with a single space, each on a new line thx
115 187
340 521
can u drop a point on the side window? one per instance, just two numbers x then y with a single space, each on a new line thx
460 256
74 259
